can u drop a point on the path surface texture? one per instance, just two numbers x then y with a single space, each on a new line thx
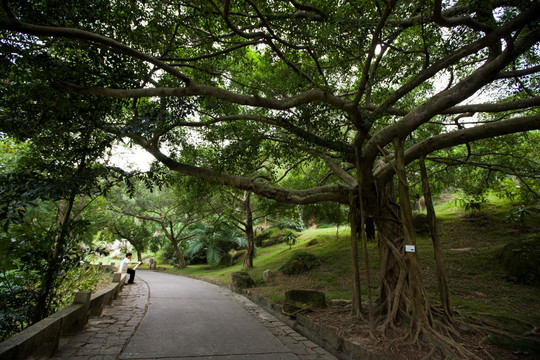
165 316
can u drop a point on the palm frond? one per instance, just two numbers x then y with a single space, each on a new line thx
213 255
194 248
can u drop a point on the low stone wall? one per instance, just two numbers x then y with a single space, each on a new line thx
42 338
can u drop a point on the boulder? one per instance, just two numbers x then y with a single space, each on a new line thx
241 280
152 264
268 276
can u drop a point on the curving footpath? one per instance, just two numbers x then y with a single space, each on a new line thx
165 316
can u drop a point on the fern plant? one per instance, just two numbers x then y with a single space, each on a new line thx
214 241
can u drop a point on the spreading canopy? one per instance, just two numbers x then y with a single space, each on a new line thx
207 87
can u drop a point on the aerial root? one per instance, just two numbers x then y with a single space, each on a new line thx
534 332
488 354
484 325
385 325
397 340
444 327
440 339
430 353
448 347
372 336
296 311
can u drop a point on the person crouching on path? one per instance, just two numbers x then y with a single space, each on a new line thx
124 265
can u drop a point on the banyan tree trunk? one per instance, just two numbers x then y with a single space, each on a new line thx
444 290
402 292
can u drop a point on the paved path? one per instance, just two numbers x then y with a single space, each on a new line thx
165 316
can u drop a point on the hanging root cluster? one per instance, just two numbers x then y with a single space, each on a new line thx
404 309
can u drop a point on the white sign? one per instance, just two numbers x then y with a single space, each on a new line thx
410 248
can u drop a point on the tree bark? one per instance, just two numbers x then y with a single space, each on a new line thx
47 289
248 258
418 298
453 138
181 261
444 289
402 294
353 218
364 237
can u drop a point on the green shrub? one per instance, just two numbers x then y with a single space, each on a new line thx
272 241
473 204
290 239
18 297
522 215
19 294
274 236
521 262
225 260
300 262
265 235
293 225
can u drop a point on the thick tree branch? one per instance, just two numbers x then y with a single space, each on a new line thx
336 193
503 31
492 108
518 73
440 19
98 40
371 52
212 55
194 89
419 19
225 14
448 98
489 166
471 108
458 137
340 172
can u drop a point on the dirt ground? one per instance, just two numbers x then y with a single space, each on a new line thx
357 331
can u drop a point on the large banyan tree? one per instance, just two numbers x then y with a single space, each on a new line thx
362 88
